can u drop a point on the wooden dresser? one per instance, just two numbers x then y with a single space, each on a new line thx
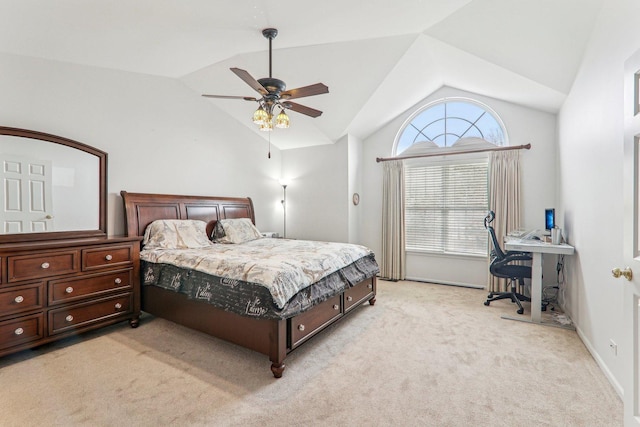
52 289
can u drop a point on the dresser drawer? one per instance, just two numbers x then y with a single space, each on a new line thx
67 290
306 324
106 256
21 330
81 315
358 294
22 298
44 264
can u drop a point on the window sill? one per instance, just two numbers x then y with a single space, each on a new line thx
446 254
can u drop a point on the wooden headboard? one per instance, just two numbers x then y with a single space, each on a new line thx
141 209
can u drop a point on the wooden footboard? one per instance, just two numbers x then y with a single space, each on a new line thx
272 337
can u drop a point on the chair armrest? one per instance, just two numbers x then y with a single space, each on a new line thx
517 256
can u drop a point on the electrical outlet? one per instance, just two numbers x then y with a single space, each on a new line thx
614 347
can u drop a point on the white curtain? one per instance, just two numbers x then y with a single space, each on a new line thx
393 237
504 199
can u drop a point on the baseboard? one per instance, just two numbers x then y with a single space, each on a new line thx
441 282
603 367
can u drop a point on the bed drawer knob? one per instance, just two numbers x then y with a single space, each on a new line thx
336 307
118 280
301 327
19 299
349 298
108 257
118 306
19 331
69 318
45 265
69 289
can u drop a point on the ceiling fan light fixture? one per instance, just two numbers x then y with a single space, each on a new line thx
267 126
282 120
260 116
273 93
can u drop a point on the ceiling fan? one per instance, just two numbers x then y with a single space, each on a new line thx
274 94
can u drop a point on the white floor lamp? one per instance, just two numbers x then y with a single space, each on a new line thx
284 207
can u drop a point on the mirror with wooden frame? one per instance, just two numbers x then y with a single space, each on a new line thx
52 187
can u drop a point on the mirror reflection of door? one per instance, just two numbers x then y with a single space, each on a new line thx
26 195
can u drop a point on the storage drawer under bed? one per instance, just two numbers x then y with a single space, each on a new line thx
306 324
358 294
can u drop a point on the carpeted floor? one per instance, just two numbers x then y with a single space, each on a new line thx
424 355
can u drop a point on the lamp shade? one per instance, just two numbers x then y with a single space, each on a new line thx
282 120
260 116
267 126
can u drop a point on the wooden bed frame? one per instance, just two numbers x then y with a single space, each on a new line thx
273 337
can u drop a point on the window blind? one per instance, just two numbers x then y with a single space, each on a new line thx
445 206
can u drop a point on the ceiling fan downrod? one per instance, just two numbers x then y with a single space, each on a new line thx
270 33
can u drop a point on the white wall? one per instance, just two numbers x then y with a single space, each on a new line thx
591 186
161 137
355 147
317 194
538 167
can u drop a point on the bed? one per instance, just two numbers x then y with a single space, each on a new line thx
275 332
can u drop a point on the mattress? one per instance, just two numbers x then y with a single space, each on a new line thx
267 278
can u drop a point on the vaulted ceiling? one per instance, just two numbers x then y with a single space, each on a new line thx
378 57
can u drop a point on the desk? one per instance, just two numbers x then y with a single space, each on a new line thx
537 248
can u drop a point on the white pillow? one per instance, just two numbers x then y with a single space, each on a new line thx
176 234
238 230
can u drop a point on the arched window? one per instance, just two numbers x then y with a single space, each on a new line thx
443 123
446 200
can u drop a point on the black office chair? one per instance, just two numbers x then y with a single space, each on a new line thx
502 266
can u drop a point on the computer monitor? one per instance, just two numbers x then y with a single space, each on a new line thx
549 219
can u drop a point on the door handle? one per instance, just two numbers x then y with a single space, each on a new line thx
627 273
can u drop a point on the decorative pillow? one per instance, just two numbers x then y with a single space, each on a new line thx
218 231
176 234
238 230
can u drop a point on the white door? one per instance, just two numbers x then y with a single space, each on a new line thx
631 240
26 195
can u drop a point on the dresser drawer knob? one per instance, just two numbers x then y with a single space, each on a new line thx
118 306
370 286
45 265
118 280
301 327
19 299
69 318
349 298
336 307
69 289
19 331
108 257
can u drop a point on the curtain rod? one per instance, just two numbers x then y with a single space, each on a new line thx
479 150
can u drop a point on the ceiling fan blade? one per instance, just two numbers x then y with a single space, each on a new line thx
316 89
248 79
246 98
312 112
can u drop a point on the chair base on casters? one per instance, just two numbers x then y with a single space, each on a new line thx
514 296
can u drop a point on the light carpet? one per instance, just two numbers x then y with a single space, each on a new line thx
424 355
